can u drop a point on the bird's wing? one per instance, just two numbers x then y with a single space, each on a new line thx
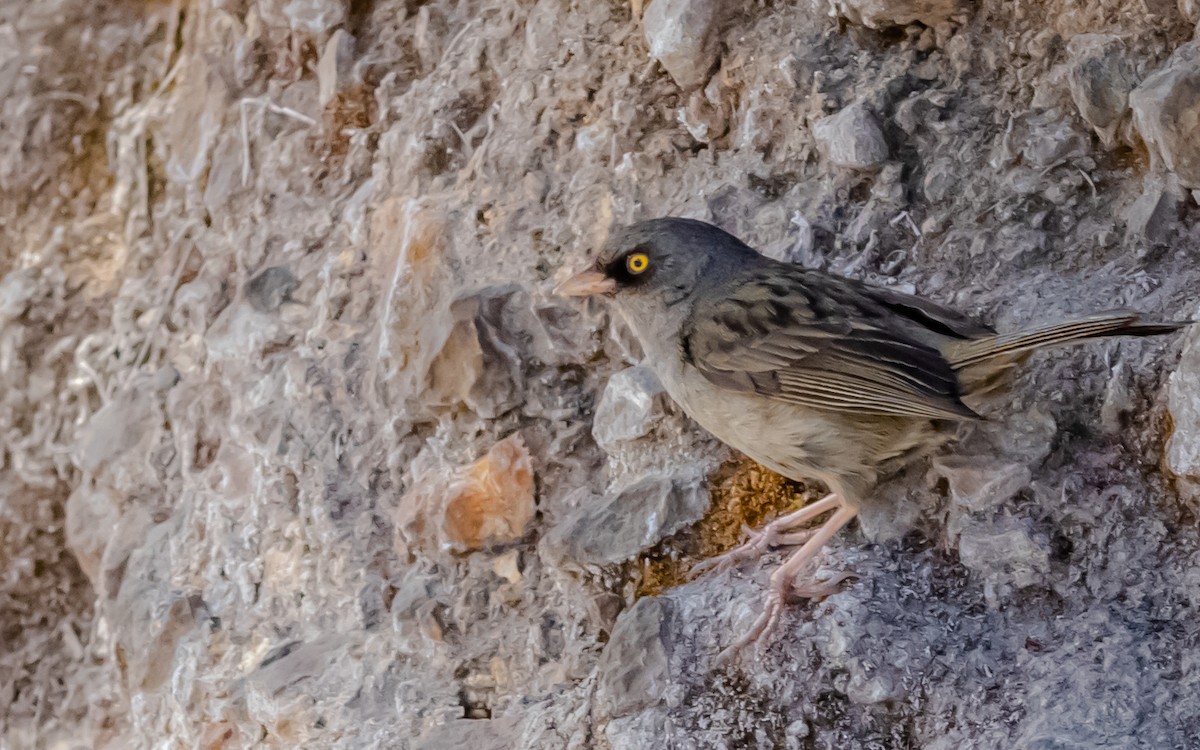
825 343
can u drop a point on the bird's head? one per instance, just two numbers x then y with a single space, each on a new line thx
661 260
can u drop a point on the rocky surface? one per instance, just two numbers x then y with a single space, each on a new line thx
298 450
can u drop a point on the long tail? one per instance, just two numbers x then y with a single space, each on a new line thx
1112 323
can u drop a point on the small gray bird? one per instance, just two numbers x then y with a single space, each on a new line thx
812 375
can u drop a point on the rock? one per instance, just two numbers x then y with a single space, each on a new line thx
194 122
1051 140
116 428
639 731
148 616
1100 78
308 16
1166 112
1190 10
682 36
605 532
878 14
287 689
467 508
270 288
1183 403
16 290
480 363
633 401
1156 212
335 67
878 685
1005 553
851 138
478 733
979 485
634 668
92 517
225 179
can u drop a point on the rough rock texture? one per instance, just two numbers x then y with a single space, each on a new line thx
1166 109
275 275
681 36
877 14
851 138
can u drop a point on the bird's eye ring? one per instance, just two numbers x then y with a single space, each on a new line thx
637 262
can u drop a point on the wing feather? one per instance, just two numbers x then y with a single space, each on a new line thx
827 343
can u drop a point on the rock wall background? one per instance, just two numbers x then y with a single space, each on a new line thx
298 450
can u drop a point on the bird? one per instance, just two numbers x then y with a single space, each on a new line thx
812 375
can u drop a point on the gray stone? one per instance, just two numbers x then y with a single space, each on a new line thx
633 400
1166 112
1156 211
980 484
1005 553
271 288
604 532
1051 140
876 685
682 36
635 665
1100 78
480 363
878 14
851 138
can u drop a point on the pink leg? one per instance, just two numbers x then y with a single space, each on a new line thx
783 580
778 533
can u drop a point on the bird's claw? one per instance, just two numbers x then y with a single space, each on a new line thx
778 595
756 545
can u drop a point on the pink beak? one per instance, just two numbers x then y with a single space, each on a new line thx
585 284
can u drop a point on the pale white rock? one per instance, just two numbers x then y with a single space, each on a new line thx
16 290
682 36
1006 553
851 138
633 400
310 16
878 14
335 66
1183 402
1166 112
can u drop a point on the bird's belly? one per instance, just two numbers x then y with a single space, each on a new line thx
845 451
788 439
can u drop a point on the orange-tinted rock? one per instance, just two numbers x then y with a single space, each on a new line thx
473 506
495 502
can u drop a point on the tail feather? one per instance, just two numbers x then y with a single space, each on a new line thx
963 354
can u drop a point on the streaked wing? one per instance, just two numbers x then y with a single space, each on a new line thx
825 343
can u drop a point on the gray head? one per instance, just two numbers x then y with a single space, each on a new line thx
660 262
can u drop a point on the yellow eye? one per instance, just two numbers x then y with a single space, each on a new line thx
637 262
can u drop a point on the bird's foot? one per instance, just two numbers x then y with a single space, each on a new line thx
784 531
784 585
755 546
